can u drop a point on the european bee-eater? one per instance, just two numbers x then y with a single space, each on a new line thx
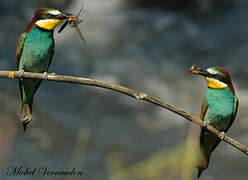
34 53
218 109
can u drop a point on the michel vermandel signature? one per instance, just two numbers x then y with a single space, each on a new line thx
43 170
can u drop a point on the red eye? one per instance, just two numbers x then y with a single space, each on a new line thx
218 76
47 15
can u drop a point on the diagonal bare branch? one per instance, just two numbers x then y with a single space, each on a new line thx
126 91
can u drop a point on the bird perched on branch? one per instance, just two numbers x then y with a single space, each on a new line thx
34 53
218 109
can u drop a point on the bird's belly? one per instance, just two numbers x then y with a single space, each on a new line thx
219 119
36 59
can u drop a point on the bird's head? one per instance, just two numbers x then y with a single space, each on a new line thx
216 77
47 18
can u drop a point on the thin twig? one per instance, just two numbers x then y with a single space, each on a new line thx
127 91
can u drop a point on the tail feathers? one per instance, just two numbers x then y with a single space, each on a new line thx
202 163
199 173
26 115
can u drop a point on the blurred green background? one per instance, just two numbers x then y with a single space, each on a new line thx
145 45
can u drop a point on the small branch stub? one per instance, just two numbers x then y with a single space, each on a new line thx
140 95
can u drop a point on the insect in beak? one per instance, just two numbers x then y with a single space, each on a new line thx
73 21
199 71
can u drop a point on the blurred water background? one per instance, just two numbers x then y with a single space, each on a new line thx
145 45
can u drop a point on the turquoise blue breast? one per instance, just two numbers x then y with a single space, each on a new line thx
220 107
37 50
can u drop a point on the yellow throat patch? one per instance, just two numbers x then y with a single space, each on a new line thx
215 84
48 24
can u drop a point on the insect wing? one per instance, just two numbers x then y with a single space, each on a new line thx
80 33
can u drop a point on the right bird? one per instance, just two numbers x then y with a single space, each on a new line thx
219 109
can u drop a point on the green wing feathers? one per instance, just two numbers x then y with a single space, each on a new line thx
235 107
235 110
204 108
19 48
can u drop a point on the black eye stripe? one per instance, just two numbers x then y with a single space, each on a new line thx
45 16
48 16
220 78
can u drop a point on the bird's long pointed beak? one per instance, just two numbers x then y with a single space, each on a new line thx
63 16
198 71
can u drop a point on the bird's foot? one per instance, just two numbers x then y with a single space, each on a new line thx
11 75
45 76
222 135
21 72
204 124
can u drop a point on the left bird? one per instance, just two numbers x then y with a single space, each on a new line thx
34 53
